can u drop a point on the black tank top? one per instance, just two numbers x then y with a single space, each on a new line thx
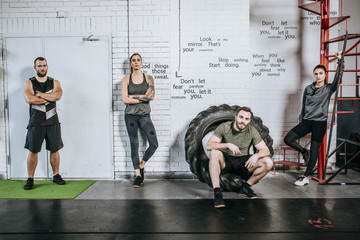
43 114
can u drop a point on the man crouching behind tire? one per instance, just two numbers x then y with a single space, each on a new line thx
229 153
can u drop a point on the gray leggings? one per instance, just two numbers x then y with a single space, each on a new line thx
133 123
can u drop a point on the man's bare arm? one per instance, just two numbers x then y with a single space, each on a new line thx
30 96
263 150
215 143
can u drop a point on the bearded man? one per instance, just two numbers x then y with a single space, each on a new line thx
229 153
42 92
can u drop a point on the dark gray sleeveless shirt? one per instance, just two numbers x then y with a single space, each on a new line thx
43 114
138 89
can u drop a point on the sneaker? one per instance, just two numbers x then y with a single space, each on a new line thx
29 184
302 181
246 190
137 182
58 179
306 156
142 175
218 199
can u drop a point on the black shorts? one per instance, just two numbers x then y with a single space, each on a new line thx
236 164
36 135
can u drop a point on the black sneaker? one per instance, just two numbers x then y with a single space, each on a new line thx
137 182
218 199
142 175
29 184
58 180
306 156
246 190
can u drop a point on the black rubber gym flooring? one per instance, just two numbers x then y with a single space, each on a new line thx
180 219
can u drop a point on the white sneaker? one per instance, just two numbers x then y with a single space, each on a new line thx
302 181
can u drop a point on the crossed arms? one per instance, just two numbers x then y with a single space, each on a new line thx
40 98
133 99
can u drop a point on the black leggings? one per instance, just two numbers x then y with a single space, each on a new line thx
317 129
133 123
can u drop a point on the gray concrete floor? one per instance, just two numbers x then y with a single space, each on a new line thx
272 186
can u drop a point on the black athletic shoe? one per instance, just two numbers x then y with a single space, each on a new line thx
218 199
137 182
58 180
142 175
246 190
29 184
306 156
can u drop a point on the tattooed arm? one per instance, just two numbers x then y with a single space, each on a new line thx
150 93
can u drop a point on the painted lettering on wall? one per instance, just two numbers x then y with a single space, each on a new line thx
219 58
277 29
191 89
204 44
313 19
157 70
270 65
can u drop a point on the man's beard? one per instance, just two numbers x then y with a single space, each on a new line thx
41 75
238 125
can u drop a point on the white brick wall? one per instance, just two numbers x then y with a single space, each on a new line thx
200 20
149 28
154 33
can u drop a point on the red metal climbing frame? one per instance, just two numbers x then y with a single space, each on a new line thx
322 8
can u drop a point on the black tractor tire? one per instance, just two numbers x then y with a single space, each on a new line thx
205 122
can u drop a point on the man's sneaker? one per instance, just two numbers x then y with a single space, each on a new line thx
58 179
302 181
246 190
142 175
306 156
29 184
137 182
218 198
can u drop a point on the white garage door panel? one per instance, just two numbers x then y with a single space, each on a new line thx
85 108
20 54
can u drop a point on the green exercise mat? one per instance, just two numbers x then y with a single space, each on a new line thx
43 189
